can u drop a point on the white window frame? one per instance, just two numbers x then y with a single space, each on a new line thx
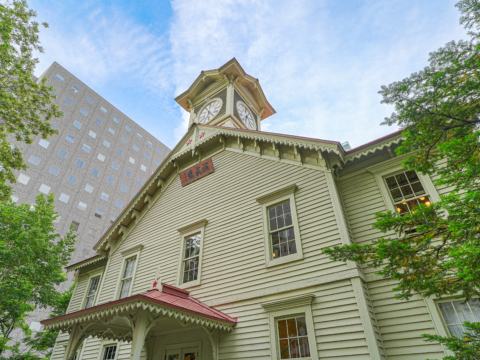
185 232
106 343
287 308
393 167
276 197
91 275
126 255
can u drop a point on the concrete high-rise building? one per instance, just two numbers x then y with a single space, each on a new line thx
94 166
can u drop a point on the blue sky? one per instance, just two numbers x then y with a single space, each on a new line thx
320 63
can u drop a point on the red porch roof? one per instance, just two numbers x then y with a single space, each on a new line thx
170 296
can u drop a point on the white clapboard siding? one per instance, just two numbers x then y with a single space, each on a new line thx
233 252
338 327
400 323
79 293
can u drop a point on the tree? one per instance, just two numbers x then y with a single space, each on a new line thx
26 107
32 257
437 248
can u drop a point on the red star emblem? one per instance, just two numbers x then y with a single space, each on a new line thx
188 142
155 283
201 135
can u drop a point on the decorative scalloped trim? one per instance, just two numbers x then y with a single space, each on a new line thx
86 263
371 150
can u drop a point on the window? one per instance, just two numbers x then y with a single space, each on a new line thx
74 225
139 137
14 198
292 334
86 148
128 173
455 313
109 353
157 162
119 204
149 143
191 258
106 143
92 290
92 134
116 119
98 213
95 172
70 138
281 233
98 121
35 160
406 191
64 198
101 157
35 326
75 89
23 179
62 153
132 160
72 179
124 139
83 111
54 170
159 151
54 127
44 143
128 128
120 152
59 77
77 124
135 147
143 167
44 189
68 101
110 180
89 188
82 206
104 196
89 100
79 163
53 91
111 131
127 277
115 165
103 110
140 181
123 188
112 220
147 155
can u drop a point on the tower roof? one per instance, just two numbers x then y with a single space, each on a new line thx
230 69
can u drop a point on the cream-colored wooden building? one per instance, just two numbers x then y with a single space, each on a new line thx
219 256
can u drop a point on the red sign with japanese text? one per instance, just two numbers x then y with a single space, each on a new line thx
197 171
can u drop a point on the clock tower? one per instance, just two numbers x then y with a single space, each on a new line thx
228 97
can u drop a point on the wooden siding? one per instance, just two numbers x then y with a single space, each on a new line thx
233 252
400 322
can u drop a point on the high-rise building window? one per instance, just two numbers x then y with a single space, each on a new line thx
54 170
103 110
104 196
128 128
120 152
98 213
89 100
149 143
135 147
119 204
132 160
54 127
95 172
44 143
116 119
110 180
83 111
124 139
62 153
92 134
89 188
75 89
139 137
140 181
14 198
68 101
44 189
79 163
143 167
72 179
111 131
23 179
35 160
77 124
106 143
101 157
70 138
157 162
147 155
98 122
86 148
74 225
59 77
82 206
64 198
123 188
128 173
115 165
159 151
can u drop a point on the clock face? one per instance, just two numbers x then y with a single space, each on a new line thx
246 117
210 111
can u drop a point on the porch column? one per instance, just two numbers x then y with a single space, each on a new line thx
139 333
76 338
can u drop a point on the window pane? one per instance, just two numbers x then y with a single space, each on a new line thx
70 138
463 311
92 134
95 172
103 110
98 122
54 170
284 353
68 101
59 77
89 99
124 139
44 143
84 111
35 160
129 266
475 306
448 313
